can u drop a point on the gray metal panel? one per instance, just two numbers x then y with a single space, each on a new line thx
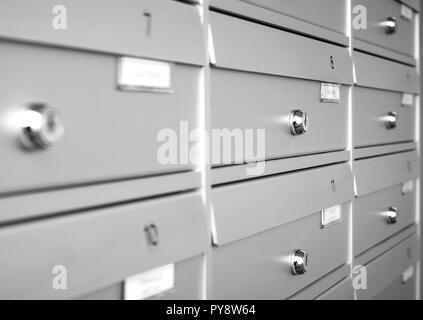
330 14
389 76
384 246
370 220
99 248
120 27
250 11
382 172
110 134
415 4
227 174
314 290
258 267
390 265
341 291
187 284
401 41
371 107
420 144
398 290
258 101
24 206
382 52
113 292
385 149
247 46
267 203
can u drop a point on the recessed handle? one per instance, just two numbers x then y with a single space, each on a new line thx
392 215
299 261
391 25
298 122
391 120
41 126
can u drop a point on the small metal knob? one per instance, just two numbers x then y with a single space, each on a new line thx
391 25
42 127
391 120
152 235
298 122
392 215
299 262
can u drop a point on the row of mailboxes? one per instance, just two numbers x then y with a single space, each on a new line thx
272 225
385 102
82 187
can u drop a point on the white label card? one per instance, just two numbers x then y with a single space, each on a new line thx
408 274
331 215
406 12
407 187
330 92
144 75
150 283
407 100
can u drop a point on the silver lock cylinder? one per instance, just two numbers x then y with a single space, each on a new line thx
298 122
299 261
392 215
41 127
391 25
391 120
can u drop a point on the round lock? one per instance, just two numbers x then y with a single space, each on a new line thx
42 127
298 122
392 215
391 120
299 262
391 25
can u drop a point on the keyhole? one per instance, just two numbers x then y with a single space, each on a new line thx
332 62
409 254
409 166
148 18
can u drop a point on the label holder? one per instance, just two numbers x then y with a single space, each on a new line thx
407 100
330 216
406 12
330 92
128 82
150 284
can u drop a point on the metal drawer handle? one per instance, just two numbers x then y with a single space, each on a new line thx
152 235
392 215
299 261
41 126
391 25
298 122
391 120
